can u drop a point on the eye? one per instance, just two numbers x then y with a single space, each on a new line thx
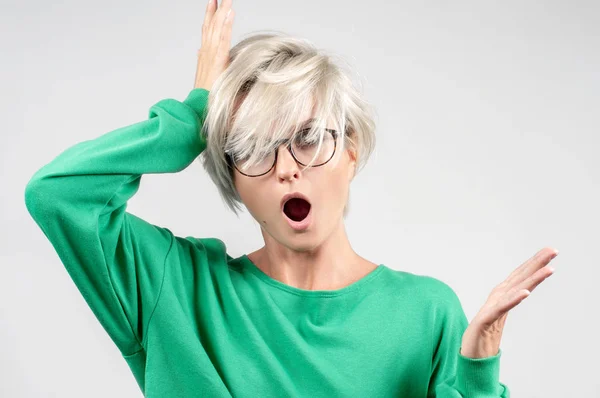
302 139
238 158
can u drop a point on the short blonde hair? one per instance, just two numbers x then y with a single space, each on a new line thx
271 78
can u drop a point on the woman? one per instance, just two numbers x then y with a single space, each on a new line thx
283 132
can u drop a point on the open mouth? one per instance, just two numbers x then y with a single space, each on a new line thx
296 209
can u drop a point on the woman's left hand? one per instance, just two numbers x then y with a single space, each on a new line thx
482 337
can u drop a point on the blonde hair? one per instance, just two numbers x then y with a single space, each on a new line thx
271 78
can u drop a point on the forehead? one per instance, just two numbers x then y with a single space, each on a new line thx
258 127
304 117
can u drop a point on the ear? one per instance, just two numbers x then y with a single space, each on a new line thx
352 163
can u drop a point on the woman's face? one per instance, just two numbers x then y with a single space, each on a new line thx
326 188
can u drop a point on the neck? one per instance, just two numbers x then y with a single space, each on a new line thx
330 266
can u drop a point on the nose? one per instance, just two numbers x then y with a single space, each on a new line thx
286 166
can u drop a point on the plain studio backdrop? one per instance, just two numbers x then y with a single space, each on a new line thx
487 151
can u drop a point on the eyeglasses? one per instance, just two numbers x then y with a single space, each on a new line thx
302 150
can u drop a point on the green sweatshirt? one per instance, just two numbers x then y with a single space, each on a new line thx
191 320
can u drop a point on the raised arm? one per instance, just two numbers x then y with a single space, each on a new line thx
79 199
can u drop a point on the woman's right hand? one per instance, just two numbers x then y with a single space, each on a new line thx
213 55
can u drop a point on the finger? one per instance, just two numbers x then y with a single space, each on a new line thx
508 301
512 300
218 20
521 292
211 7
534 280
527 264
226 34
540 259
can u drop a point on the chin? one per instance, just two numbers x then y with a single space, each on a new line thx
304 241
302 246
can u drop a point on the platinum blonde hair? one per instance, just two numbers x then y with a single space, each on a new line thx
270 80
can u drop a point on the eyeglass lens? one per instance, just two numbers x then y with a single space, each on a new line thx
302 149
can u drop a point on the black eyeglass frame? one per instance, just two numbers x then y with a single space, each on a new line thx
288 142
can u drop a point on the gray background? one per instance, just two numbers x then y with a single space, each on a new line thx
488 119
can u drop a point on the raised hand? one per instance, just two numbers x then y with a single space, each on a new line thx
213 55
482 337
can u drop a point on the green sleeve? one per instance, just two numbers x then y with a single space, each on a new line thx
454 375
79 201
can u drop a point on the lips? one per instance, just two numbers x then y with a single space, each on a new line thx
296 207
289 196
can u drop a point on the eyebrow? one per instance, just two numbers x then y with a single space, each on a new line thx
307 122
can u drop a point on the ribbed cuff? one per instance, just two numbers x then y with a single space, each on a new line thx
477 376
197 99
